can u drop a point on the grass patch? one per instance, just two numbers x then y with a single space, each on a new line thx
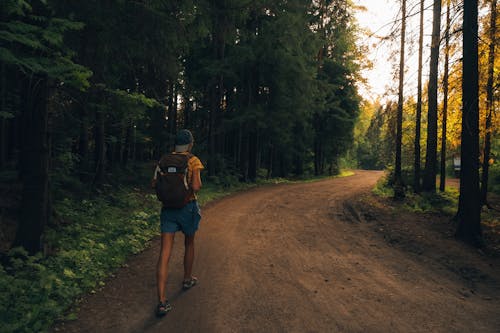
439 202
96 238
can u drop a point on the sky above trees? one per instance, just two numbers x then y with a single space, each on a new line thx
381 21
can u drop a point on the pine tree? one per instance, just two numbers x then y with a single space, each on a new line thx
418 117
429 183
442 178
489 103
398 182
469 207
32 42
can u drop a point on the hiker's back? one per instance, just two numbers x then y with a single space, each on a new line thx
173 186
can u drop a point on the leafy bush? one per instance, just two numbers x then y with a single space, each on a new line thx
383 187
439 202
34 291
494 178
406 176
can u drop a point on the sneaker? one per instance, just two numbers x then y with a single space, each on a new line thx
187 284
163 308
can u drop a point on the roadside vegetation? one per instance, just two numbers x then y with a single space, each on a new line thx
439 204
94 236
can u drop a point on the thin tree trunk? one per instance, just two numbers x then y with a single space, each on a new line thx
217 87
317 145
175 110
158 127
489 105
187 111
120 143
252 156
134 143
237 146
172 117
271 160
258 161
3 120
127 147
398 182
321 157
469 207
283 170
83 140
429 184
317 155
100 148
416 169
442 178
211 130
34 212
244 163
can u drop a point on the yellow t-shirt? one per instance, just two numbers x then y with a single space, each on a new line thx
194 163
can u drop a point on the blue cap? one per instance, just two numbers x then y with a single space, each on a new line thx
183 137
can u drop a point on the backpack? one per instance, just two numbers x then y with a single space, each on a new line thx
172 188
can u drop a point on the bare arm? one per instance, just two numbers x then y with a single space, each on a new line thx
155 176
196 182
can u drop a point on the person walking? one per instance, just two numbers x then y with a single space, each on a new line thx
177 179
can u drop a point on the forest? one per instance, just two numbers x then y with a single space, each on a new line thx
92 93
268 89
428 133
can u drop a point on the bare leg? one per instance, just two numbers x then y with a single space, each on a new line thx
188 256
167 241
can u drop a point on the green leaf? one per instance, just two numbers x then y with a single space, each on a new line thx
6 115
69 273
72 316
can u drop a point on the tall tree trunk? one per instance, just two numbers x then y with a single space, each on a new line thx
134 144
442 178
217 86
316 155
120 143
283 169
469 207
175 105
187 111
237 146
128 146
172 117
244 155
398 182
317 144
211 130
489 104
271 160
429 184
158 128
3 120
83 140
416 168
34 211
100 147
252 156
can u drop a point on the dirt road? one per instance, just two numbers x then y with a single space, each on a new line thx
305 258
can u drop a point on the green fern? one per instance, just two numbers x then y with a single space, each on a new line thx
35 44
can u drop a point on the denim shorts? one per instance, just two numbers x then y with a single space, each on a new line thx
186 219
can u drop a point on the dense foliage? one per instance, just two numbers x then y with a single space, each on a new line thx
90 90
90 87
